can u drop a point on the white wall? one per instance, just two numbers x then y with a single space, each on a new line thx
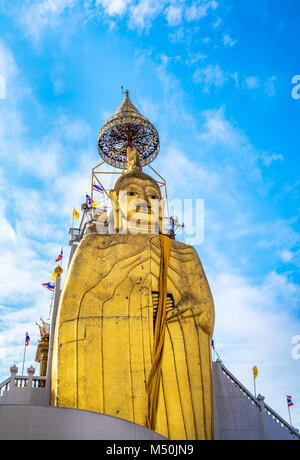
49 423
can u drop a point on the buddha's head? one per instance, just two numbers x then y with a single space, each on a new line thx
137 200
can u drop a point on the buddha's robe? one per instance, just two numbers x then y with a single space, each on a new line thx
104 334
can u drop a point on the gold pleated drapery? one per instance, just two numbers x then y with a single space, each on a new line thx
153 382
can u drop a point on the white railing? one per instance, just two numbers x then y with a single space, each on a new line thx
259 402
22 381
4 386
281 421
239 385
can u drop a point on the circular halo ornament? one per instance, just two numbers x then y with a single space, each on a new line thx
127 128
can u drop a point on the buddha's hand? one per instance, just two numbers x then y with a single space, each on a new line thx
200 310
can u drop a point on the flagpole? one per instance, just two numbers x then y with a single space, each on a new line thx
214 349
254 386
24 357
218 356
289 409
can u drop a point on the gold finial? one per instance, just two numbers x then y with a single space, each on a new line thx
57 271
124 92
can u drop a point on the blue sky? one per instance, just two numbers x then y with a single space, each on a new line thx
215 78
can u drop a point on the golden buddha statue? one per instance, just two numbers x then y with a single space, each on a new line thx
135 321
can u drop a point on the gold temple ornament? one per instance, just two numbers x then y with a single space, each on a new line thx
57 272
43 348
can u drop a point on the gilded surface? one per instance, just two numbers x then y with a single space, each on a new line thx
43 348
104 335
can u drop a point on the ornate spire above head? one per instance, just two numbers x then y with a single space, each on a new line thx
128 128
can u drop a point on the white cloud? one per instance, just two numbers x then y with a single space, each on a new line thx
22 265
286 256
34 219
210 76
193 58
174 162
268 159
173 96
35 17
10 117
255 326
270 86
114 7
217 129
174 15
2 87
217 23
277 234
290 257
9 73
228 41
8 67
252 82
255 83
53 6
72 129
250 306
144 11
199 9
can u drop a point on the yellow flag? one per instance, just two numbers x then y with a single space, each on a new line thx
255 372
95 204
76 213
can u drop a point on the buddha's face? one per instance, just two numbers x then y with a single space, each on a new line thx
139 206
